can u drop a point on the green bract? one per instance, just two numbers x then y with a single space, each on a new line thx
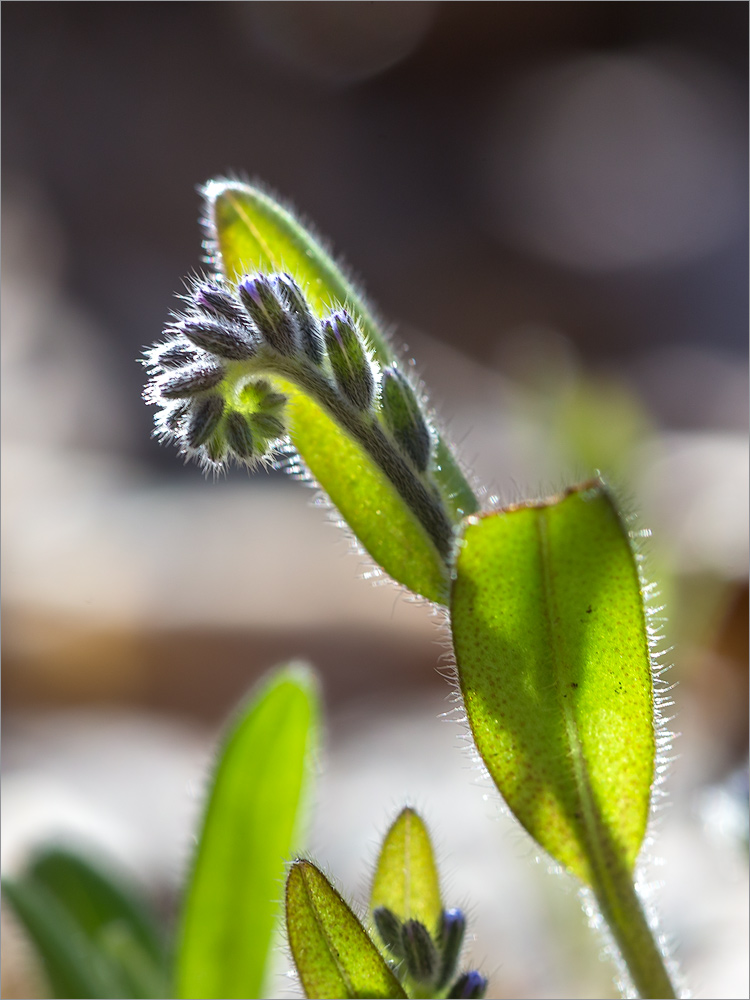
406 878
333 953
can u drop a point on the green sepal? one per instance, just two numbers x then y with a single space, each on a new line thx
406 878
332 951
551 644
251 828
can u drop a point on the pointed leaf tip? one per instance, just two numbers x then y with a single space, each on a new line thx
332 951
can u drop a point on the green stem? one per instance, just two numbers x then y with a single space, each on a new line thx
621 908
425 502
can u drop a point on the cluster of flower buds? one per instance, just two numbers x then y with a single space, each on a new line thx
210 377
430 961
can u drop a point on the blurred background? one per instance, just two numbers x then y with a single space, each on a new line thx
548 201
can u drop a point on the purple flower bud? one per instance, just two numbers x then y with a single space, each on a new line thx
389 928
218 337
191 381
311 338
174 416
452 930
174 354
469 986
239 435
404 419
267 313
349 361
204 420
420 952
219 303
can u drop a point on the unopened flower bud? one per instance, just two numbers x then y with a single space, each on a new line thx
191 381
174 416
204 420
452 929
404 418
389 928
266 311
173 354
469 986
267 426
219 303
349 361
239 435
218 337
311 338
420 952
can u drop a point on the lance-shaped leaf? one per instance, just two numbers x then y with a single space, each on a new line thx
74 964
332 951
90 929
552 650
251 827
250 232
406 878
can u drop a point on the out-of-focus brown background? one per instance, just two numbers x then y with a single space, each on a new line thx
549 201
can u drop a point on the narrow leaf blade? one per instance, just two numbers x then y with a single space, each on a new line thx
406 879
250 830
75 966
332 951
552 652
95 897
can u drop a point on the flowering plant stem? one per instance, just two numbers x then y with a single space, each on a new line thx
619 905
549 614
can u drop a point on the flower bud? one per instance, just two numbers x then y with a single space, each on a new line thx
389 928
267 426
239 435
349 361
174 416
420 952
266 311
311 338
219 303
404 418
173 354
469 986
218 337
452 929
191 381
204 420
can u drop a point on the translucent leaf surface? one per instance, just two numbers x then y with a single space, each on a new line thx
551 645
332 951
252 232
406 877
250 830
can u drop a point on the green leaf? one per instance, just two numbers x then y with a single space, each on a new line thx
553 659
251 233
74 964
406 878
332 951
95 899
251 827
